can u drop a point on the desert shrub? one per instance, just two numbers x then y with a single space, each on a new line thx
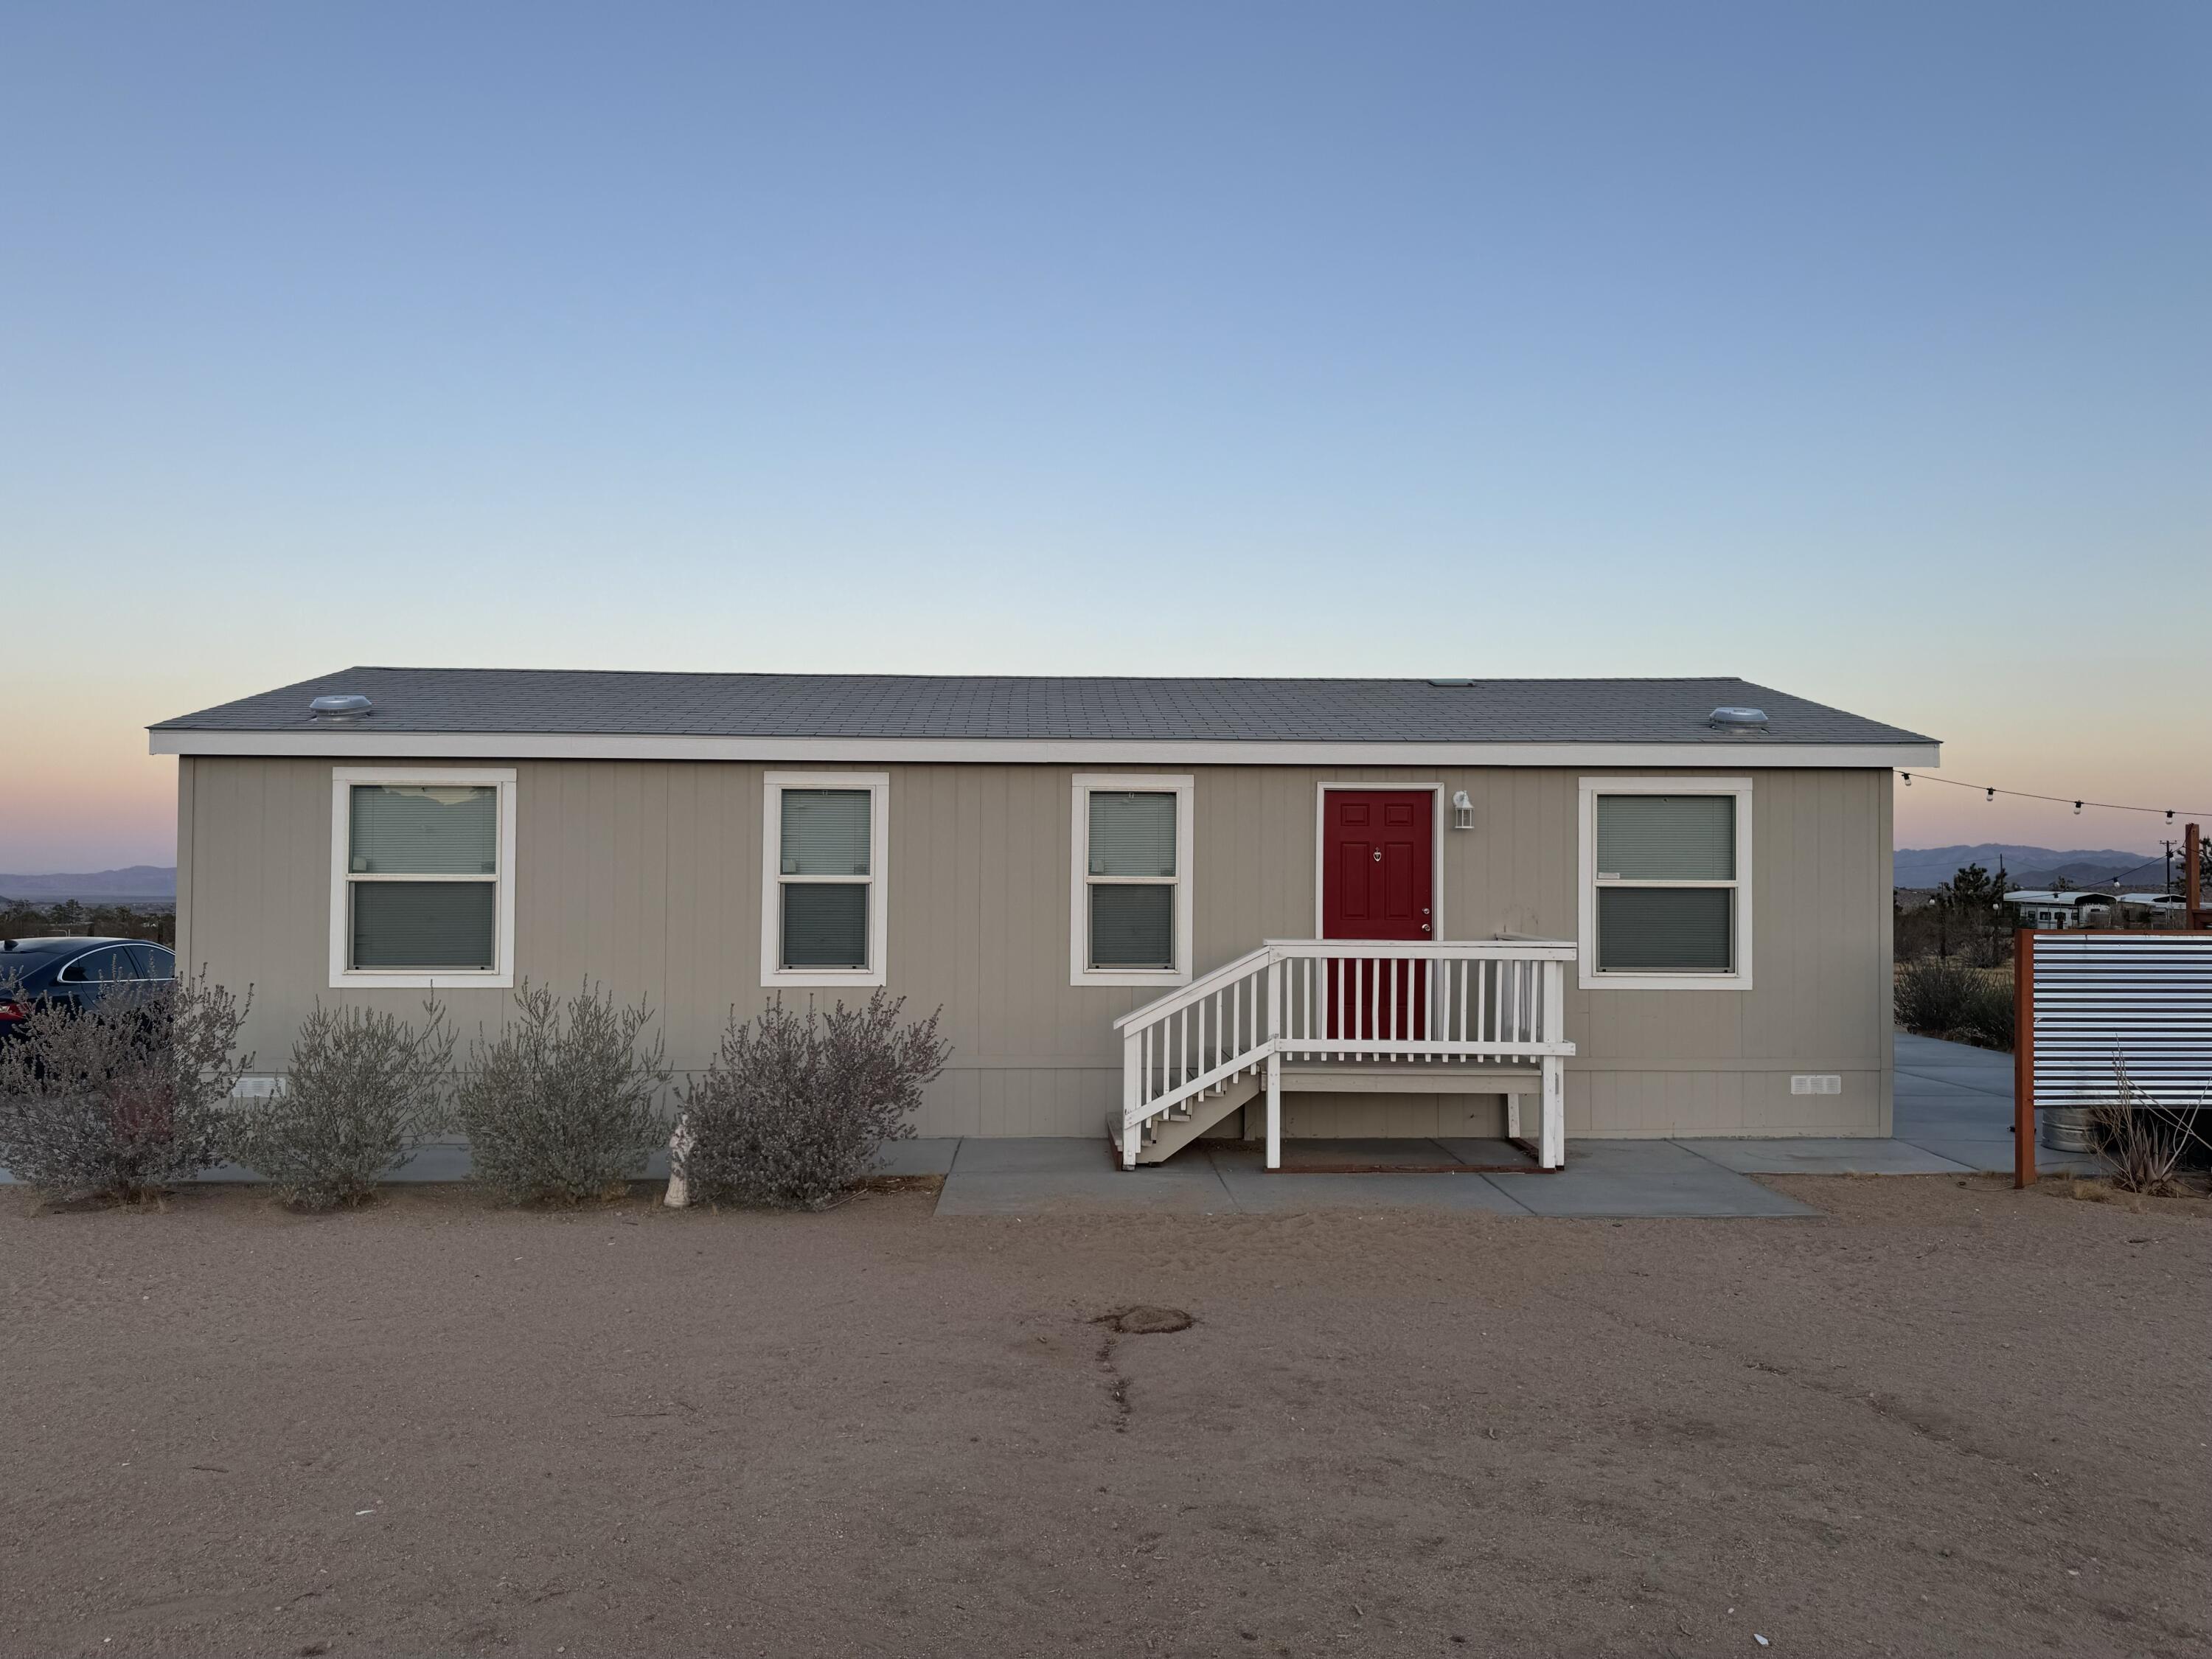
362 1090
561 1105
2144 1139
124 1098
1944 999
794 1107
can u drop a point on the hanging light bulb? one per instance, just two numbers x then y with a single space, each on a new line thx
1908 780
2169 815
1993 795
2077 809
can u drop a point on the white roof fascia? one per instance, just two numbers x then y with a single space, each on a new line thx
581 745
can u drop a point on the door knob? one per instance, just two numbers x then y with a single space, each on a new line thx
1425 927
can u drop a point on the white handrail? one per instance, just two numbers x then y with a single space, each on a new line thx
1198 987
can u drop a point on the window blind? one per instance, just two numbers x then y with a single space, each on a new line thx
825 832
402 829
826 924
1133 835
1664 929
1667 837
423 924
1133 927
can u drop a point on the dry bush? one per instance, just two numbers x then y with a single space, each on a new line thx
363 1089
562 1105
124 1099
2144 1139
1943 999
794 1107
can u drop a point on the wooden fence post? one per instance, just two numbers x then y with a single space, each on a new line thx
2193 915
2023 1058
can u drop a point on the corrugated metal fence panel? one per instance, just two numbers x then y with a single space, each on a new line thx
2143 998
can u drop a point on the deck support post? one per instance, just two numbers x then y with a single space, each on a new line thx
1274 1111
1274 1061
1551 1116
1552 1122
1132 1075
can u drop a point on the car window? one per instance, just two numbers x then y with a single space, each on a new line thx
111 962
161 963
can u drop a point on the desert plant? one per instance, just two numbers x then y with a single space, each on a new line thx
362 1090
561 1105
1945 999
794 1107
122 1098
2143 1139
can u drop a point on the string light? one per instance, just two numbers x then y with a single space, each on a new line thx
1989 791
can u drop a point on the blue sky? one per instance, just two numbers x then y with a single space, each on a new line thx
1860 349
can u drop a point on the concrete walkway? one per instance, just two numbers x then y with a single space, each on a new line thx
1058 1177
1954 1115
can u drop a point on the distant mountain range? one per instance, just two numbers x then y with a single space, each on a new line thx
140 881
2031 867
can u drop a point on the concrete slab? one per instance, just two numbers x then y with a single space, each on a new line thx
1487 1153
1823 1156
1956 1078
1636 1178
1357 1155
1193 1188
1255 1192
1035 1155
918 1157
1921 1050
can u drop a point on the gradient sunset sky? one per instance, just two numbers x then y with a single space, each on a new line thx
1864 350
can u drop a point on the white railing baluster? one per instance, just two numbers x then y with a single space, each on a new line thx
1306 978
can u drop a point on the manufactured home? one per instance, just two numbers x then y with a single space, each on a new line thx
2044 908
1151 909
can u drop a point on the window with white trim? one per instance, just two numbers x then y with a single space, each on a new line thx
1129 922
1665 901
421 883
822 918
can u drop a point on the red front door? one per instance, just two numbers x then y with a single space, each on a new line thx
1379 872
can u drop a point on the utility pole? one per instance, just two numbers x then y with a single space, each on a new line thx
2168 845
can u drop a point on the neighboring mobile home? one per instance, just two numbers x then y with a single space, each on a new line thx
1334 908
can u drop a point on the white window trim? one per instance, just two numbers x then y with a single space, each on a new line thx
343 975
1586 909
879 785
1436 847
1182 786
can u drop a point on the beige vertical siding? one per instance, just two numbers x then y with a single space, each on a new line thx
647 877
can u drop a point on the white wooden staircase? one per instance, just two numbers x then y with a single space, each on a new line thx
1346 1014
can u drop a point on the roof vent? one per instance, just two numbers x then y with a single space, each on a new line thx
1452 682
345 706
1738 719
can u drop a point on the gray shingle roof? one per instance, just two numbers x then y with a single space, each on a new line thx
908 706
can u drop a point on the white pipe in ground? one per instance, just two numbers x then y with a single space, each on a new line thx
679 1148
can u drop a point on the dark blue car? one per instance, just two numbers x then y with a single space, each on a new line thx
77 970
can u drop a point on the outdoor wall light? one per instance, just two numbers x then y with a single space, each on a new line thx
1462 811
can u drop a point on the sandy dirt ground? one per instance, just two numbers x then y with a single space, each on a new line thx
1944 1418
